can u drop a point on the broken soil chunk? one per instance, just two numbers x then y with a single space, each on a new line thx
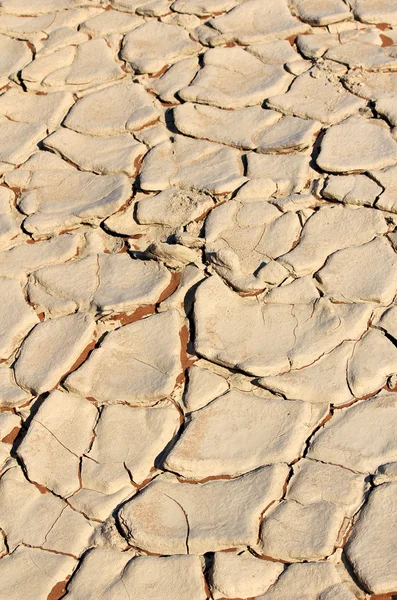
241 445
373 562
253 21
153 45
241 128
323 12
116 154
61 431
141 433
15 54
80 197
317 581
189 163
108 573
329 229
122 107
61 342
171 517
202 387
32 573
314 95
338 152
355 439
17 316
106 283
174 207
364 273
242 575
225 325
233 78
302 384
137 363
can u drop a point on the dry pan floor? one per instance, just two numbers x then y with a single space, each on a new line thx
198 316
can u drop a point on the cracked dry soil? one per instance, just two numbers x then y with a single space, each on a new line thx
198 284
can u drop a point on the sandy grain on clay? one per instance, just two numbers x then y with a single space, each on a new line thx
198 332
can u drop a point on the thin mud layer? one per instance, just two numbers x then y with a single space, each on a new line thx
198 267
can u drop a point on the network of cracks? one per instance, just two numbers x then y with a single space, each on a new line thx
198 285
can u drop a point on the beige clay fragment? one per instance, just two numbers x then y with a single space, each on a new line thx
234 78
107 573
124 369
61 342
195 518
241 445
254 22
58 443
153 45
353 438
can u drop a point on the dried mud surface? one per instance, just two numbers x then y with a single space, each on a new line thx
198 285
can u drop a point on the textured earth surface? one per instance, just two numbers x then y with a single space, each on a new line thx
198 284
